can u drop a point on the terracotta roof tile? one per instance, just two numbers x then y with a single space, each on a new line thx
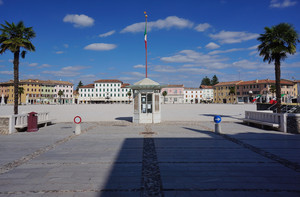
88 86
175 86
108 81
266 81
228 83
125 85
206 87
191 88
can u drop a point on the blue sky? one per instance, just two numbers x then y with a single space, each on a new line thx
89 40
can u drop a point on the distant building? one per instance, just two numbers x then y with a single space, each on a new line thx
297 91
207 93
246 91
193 95
38 91
106 90
175 94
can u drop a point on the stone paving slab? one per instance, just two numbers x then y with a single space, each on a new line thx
167 159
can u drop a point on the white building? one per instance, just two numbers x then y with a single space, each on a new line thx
174 94
193 95
107 90
207 93
67 89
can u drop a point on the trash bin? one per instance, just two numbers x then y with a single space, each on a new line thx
32 122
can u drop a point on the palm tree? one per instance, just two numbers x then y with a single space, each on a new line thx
13 38
276 43
164 95
129 95
20 92
60 93
231 92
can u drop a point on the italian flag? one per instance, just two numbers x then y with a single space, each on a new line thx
145 34
257 97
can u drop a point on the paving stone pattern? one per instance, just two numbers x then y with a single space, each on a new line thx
169 159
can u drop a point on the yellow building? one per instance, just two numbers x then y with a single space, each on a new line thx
31 88
225 92
35 91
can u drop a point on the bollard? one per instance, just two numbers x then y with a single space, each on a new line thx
217 128
77 121
77 129
217 120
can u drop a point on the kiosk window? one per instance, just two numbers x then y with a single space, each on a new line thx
146 101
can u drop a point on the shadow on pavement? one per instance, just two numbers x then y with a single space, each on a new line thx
213 164
128 119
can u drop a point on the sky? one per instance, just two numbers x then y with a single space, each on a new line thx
88 40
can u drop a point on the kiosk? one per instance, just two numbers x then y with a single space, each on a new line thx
146 101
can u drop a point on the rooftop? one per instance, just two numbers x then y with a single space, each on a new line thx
108 81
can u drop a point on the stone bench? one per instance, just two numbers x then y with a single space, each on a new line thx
12 123
266 118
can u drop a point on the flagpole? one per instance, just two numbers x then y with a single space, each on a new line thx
146 40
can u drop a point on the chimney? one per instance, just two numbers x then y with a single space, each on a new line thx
256 80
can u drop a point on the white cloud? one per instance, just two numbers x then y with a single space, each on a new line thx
66 45
79 20
202 27
282 3
167 23
74 68
33 64
139 66
212 45
69 71
100 47
6 72
253 47
196 59
61 73
45 66
11 60
229 37
1 2
225 51
165 69
59 52
246 64
136 74
107 34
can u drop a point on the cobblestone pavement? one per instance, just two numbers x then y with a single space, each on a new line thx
169 159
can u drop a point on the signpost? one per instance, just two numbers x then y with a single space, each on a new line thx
217 120
77 121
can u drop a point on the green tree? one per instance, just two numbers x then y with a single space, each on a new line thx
129 95
276 43
214 80
164 95
20 92
79 85
14 38
205 81
231 92
60 93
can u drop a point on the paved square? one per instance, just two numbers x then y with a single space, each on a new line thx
169 159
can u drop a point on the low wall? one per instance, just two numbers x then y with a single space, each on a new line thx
293 123
4 125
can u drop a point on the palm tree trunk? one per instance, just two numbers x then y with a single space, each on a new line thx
278 86
16 80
